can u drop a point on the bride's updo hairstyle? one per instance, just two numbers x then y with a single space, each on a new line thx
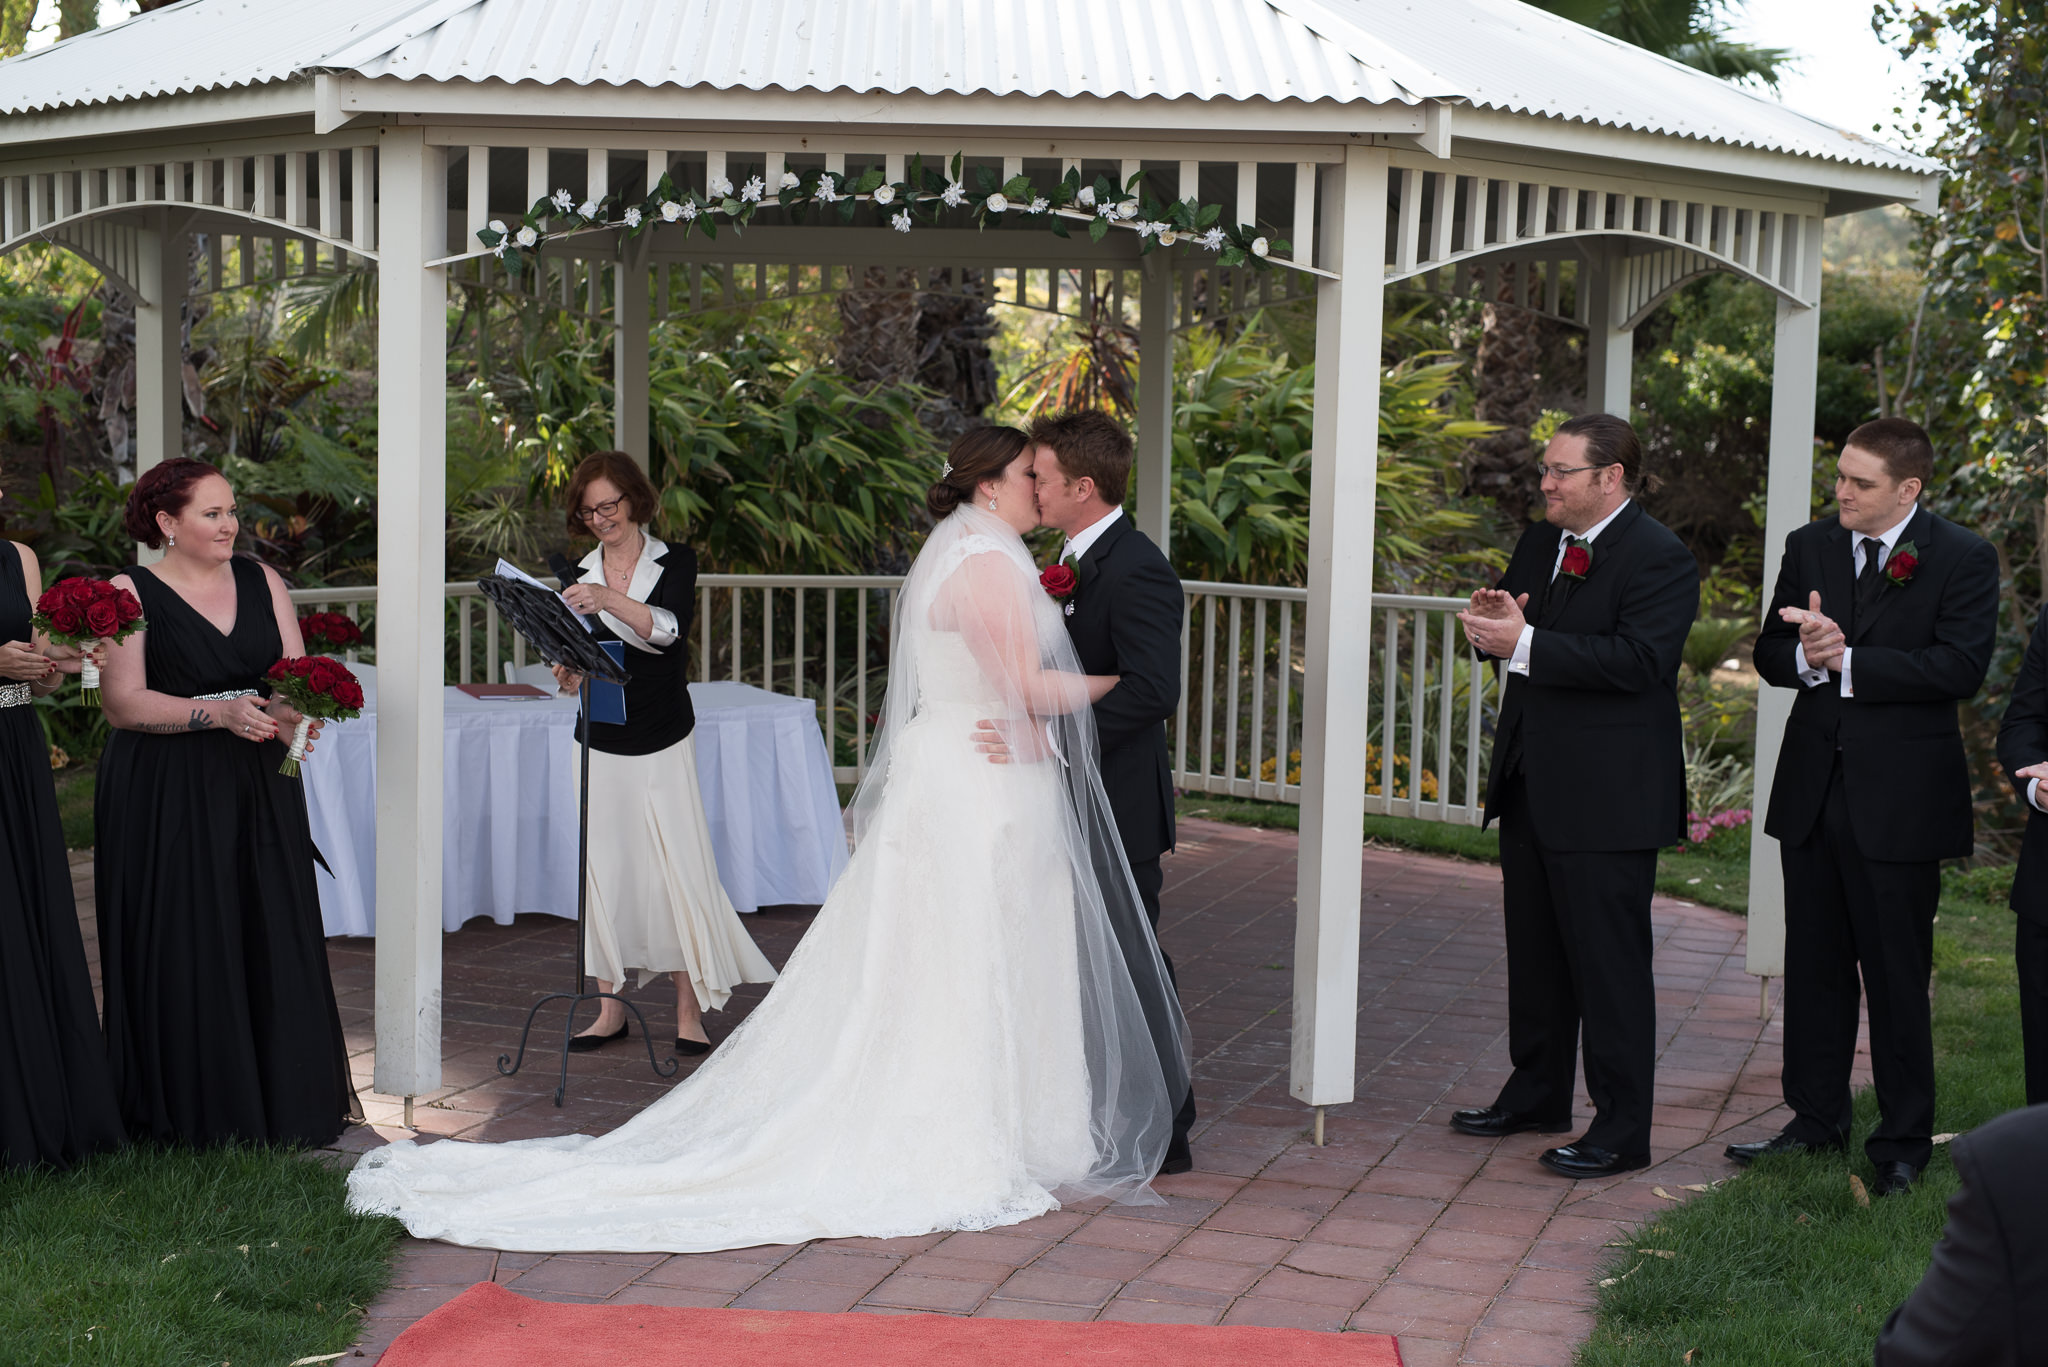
163 488
982 453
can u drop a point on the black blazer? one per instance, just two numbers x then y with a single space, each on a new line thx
1125 618
1596 719
658 709
2023 740
1918 650
1981 1302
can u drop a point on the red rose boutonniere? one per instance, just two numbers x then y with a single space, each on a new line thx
1058 581
1902 564
1578 559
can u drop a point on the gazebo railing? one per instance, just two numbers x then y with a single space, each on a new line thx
1235 733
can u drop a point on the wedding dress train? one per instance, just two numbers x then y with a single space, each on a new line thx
969 1032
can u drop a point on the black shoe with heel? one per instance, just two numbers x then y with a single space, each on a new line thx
692 1048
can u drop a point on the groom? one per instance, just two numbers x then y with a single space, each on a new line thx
1124 617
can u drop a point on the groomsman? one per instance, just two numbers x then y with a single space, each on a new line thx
1124 619
1587 780
2023 752
1882 620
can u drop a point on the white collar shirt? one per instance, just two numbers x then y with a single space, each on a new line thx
1078 544
1518 662
667 630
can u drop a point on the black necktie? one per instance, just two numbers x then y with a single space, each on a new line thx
1872 577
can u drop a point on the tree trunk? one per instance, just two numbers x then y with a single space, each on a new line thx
1505 381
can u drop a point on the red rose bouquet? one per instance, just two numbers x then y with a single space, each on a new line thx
318 687
83 612
329 631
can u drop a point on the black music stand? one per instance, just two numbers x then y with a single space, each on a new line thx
540 616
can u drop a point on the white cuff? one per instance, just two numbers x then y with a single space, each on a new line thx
1518 663
665 627
1808 675
2033 794
1848 688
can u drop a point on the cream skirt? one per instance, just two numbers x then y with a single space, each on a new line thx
656 905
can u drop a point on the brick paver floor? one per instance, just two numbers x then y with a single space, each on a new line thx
1464 1248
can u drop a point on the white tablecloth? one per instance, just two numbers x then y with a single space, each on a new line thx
509 818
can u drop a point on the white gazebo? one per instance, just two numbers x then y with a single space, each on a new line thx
1478 147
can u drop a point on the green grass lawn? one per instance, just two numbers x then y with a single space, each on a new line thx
1716 873
1782 1264
174 1256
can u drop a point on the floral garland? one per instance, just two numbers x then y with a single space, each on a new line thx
921 196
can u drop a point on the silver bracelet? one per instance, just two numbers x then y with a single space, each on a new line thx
228 695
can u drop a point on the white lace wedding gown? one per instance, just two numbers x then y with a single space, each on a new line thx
921 1065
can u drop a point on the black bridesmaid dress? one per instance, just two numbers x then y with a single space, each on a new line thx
56 1100
221 1022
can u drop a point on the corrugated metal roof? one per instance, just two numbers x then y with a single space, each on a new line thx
1495 54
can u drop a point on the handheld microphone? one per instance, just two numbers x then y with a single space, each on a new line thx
566 574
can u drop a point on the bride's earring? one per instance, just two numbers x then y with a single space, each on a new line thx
174 541
991 505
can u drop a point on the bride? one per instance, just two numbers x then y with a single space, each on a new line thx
978 1024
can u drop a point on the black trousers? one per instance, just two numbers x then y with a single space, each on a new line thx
1578 936
1149 877
1845 912
2030 948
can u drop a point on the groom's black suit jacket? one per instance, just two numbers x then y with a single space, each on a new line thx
1917 650
1594 726
1125 619
2023 741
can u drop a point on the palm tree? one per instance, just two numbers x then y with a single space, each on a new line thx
1693 32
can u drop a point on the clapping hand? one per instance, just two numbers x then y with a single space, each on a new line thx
1820 638
1494 621
23 663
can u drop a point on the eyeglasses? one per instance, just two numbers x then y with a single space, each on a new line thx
608 508
1544 471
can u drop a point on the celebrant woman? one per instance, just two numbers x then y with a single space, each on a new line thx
656 905
220 1016
56 1100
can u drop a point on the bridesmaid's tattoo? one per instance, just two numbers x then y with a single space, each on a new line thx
201 720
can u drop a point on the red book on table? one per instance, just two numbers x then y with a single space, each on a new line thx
487 692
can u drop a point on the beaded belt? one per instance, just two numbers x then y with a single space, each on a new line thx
16 695
227 696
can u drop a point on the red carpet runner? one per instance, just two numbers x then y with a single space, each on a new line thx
490 1324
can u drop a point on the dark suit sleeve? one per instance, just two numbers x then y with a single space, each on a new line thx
1518 578
1656 612
2023 733
1953 667
1144 632
676 590
1777 642
1962 1310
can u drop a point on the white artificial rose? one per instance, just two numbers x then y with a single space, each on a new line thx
884 195
527 236
997 203
1127 209
1167 237
587 209
720 188
670 211
497 225
790 180
1086 199
1260 246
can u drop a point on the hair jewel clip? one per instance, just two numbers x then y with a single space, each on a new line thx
947 471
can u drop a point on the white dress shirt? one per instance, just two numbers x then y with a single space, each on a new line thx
1518 663
1808 675
1078 544
645 572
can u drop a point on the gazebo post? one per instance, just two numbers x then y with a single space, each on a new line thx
631 364
1151 498
1339 630
159 353
412 480
1788 493
1610 347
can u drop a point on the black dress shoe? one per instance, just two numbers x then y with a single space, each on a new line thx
1493 1122
1176 1163
583 1044
692 1048
1894 1178
1783 1142
1587 1160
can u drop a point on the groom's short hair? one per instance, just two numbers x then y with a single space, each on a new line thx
1089 444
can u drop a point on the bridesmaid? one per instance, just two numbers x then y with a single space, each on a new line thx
221 1021
56 1100
656 904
